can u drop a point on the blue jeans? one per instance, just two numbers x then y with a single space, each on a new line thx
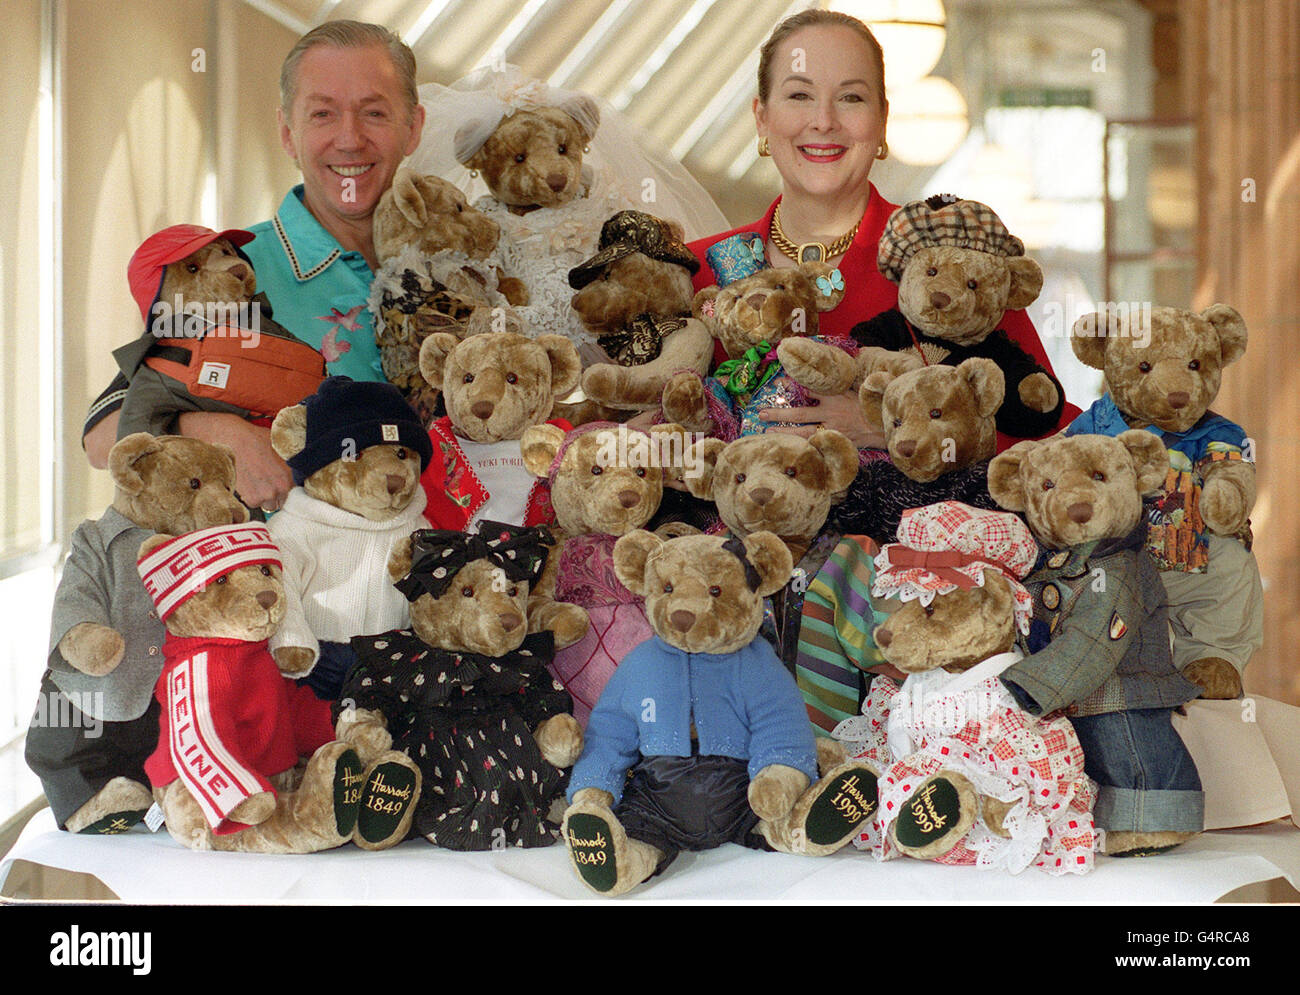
1148 780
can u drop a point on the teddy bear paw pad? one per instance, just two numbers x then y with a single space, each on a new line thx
348 777
847 799
114 823
389 795
591 842
936 816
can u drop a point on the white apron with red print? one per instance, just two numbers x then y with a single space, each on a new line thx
969 723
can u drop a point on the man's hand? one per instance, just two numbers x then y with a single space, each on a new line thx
838 411
262 479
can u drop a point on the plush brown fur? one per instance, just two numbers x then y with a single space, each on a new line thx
945 305
498 384
431 215
768 306
937 419
776 483
1073 490
629 287
828 369
212 274
534 158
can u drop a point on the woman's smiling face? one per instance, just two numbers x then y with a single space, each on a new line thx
825 115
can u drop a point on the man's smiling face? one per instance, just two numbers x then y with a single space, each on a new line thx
348 129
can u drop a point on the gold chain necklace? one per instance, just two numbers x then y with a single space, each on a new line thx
817 252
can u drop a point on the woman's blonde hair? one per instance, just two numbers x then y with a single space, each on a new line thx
816 17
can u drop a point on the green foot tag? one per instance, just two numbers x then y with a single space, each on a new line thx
348 778
113 823
929 815
591 846
388 795
847 802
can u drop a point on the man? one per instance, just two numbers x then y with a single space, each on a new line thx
349 113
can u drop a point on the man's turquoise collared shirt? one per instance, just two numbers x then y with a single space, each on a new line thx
318 289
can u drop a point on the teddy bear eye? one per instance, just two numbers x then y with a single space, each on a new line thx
780 286
512 378
932 272
521 157
1099 476
715 591
266 571
936 413
222 579
195 483
597 470
1195 364
564 150
460 208
668 589
402 453
467 591
640 471
929 610
740 478
468 378
191 267
513 591
790 471
1144 366
897 422
1048 484
972 284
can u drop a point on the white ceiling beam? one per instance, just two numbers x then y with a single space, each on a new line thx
580 55
655 60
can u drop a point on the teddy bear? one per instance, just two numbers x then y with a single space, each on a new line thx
605 481
1098 644
495 386
783 484
95 722
357 451
210 342
939 434
232 727
700 738
635 296
965 775
958 270
465 691
1162 373
438 272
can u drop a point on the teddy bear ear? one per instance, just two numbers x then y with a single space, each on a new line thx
1005 485
1231 328
152 543
399 559
871 396
630 555
566 367
1150 458
840 456
828 289
704 461
584 111
433 357
1088 337
124 455
408 197
988 383
771 558
539 444
289 431
1026 282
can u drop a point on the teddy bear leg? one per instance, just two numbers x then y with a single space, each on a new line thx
320 815
683 402
184 818
559 739
254 809
828 814
935 816
830 753
604 858
1126 844
115 808
388 800
995 812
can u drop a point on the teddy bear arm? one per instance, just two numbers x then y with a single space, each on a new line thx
818 366
1016 417
641 387
94 649
294 633
88 642
774 791
1228 495
559 739
366 730
512 289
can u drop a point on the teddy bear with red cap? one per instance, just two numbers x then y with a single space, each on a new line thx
210 342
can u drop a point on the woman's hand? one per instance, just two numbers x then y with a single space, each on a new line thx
262 479
838 411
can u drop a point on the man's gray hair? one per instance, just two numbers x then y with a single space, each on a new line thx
350 34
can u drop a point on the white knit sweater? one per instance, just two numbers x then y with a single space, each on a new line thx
335 571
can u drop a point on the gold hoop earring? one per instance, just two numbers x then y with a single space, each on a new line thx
763 148
882 150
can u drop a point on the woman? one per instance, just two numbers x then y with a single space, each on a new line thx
821 114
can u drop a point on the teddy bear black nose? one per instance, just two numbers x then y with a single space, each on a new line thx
510 620
1179 399
628 498
761 495
939 300
1079 512
907 448
756 300
557 181
482 409
267 598
394 482
883 636
682 620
